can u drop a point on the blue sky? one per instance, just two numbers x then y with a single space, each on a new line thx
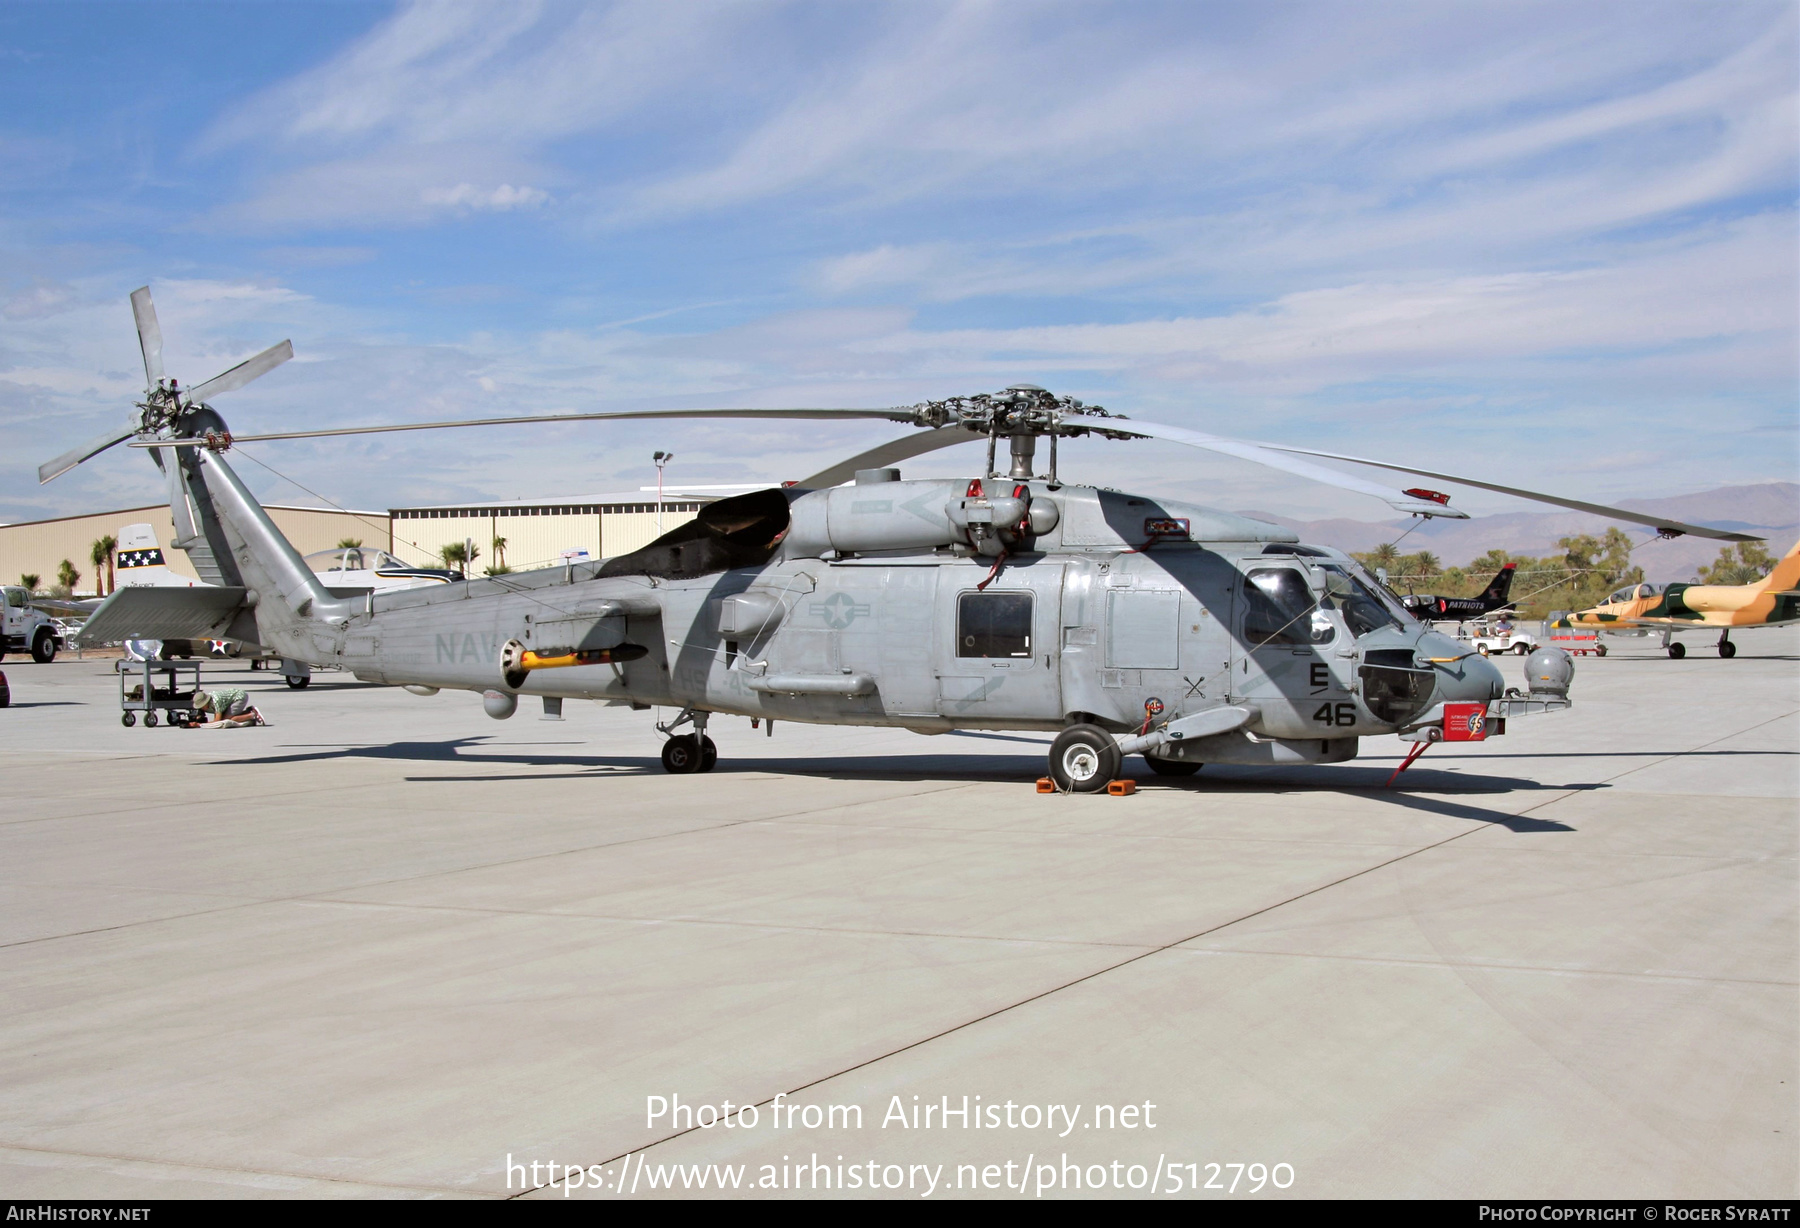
1552 245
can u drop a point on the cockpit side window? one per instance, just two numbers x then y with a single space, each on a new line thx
1363 609
1279 609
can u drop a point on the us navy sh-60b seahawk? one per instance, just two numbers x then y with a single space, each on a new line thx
1009 600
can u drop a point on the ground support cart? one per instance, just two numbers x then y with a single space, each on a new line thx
154 687
1578 643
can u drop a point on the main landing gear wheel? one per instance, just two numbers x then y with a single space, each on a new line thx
299 682
689 753
1677 651
1727 649
1084 759
43 648
1172 767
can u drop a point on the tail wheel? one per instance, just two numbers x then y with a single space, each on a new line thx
43 648
683 755
1171 767
1084 758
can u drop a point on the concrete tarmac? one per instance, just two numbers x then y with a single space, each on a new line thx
390 947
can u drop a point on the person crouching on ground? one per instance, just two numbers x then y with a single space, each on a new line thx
226 705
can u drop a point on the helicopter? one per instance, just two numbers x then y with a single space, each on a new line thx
1008 600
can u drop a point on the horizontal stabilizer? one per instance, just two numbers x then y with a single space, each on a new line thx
162 614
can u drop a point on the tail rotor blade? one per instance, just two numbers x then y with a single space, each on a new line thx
74 456
149 337
244 372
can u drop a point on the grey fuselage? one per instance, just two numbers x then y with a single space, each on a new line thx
1105 607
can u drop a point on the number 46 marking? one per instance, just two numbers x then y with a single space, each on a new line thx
1336 714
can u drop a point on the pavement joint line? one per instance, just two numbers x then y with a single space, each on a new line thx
612 844
125 925
727 923
305 896
219 1168
1486 966
1696 749
1080 980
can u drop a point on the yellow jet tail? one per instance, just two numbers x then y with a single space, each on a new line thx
1786 575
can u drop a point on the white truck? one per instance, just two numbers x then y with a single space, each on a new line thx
28 629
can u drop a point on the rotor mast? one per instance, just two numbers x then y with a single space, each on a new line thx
1020 415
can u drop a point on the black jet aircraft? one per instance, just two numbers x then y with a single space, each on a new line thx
1428 607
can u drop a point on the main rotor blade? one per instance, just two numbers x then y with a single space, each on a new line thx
892 452
1267 454
244 372
892 415
149 336
1660 523
74 456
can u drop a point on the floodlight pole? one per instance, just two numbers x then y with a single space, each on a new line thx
661 458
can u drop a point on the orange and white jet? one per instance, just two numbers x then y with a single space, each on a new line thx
1769 602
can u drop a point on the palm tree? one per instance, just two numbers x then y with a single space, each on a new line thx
1384 554
499 551
30 581
101 556
459 555
349 543
68 577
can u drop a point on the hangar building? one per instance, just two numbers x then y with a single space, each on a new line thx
536 533
38 547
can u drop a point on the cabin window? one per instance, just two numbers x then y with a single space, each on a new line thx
993 625
1360 605
1279 609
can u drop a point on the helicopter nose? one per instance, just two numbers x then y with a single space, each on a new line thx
1468 679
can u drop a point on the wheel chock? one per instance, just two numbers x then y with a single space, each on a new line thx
1121 788
1046 785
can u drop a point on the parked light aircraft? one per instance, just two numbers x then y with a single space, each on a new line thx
1009 600
1768 602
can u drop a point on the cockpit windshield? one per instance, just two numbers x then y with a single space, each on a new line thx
352 558
1366 606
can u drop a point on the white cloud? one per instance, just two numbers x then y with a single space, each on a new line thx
1421 229
500 199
